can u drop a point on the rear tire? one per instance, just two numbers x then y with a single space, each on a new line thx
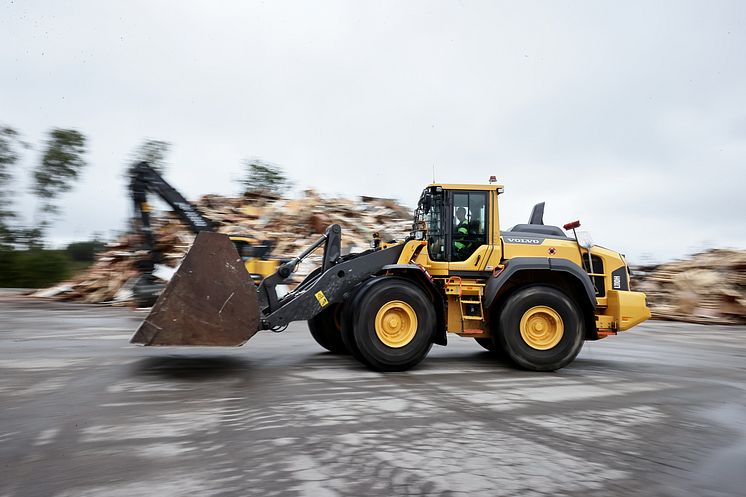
392 324
326 329
541 328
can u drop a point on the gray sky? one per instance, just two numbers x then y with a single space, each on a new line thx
628 115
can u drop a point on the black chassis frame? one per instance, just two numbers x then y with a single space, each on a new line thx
337 277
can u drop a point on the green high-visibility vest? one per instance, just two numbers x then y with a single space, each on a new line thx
461 230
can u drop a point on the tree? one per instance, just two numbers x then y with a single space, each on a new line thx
85 251
60 166
9 155
28 238
33 268
262 176
153 152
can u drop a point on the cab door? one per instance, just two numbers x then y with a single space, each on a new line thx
470 228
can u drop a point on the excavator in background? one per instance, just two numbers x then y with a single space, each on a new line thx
531 293
144 180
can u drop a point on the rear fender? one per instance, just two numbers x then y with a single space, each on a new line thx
520 271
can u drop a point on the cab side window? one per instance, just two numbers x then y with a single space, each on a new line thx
469 223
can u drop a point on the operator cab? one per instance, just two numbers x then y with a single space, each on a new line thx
454 219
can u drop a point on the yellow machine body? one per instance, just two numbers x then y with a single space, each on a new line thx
464 281
257 267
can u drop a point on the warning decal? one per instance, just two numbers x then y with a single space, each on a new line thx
321 298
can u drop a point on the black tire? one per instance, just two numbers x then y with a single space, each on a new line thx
407 307
489 344
348 323
146 290
532 302
326 329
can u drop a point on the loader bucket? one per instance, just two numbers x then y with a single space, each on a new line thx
210 301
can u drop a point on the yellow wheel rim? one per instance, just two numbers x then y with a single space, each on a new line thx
541 327
396 324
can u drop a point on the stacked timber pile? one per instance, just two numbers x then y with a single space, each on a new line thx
290 224
708 288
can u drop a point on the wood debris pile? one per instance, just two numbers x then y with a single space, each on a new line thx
708 288
290 224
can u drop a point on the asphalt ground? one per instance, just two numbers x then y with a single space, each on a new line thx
658 410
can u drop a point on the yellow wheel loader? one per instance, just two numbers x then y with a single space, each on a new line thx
532 292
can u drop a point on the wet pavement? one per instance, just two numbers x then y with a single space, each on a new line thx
658 410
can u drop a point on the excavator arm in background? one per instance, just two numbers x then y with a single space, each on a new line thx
144 180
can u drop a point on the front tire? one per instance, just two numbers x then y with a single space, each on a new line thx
541 328
393 324
326 329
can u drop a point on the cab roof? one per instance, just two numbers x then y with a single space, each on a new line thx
460 186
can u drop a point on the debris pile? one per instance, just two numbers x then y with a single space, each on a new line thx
708 288
290 224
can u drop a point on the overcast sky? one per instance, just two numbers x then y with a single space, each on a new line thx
628 115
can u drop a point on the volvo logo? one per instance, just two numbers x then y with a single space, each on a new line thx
529 241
